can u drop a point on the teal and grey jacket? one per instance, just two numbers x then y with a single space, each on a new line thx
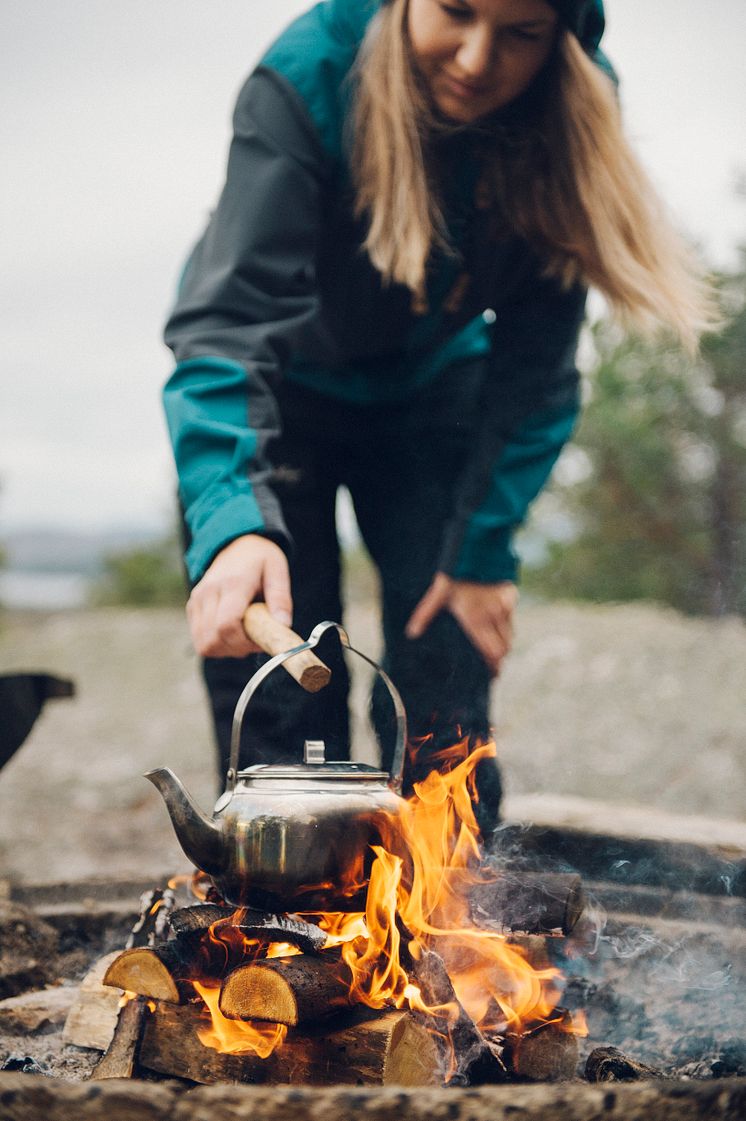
278 287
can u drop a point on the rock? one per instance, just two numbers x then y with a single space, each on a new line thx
27 950
35 1011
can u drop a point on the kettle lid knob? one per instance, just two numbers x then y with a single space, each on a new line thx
314 751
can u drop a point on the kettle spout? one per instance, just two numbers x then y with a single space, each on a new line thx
200 838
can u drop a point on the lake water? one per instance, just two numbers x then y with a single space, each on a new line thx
43 591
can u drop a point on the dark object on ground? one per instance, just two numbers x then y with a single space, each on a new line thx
25 1064
609 1064
22 697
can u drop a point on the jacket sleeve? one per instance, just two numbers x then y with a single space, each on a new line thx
530 403
246 298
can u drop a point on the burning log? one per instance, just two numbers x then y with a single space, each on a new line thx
478 1061
533 948
162 972
293 990
370 1049
261 925
547 1052
532 902
609 1064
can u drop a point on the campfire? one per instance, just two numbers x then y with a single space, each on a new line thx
341 936
409 991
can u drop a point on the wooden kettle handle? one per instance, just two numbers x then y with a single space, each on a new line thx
275 638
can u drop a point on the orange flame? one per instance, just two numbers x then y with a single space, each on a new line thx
492 980
233 1037
419 888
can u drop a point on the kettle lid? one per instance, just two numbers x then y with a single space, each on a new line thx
339 770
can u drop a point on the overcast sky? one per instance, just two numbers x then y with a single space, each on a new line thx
114 133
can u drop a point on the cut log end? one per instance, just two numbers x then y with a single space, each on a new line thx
258 994
141 970
292 991
413 1058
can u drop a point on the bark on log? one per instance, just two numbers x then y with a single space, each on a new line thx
475 1060
533 902
293 990
152 923
264 926
161 972
609 1064
120 1059
387 1049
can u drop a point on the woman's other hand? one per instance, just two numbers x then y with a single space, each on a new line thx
484 612
250 568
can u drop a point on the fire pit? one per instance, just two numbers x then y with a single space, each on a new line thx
660 978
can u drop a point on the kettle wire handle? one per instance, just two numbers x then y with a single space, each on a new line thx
397 764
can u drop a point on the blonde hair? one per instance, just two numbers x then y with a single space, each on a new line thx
567 181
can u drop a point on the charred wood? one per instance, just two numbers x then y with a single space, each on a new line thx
476 1060
609 1064
532 902
251 923
152 924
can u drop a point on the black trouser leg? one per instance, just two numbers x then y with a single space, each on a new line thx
281 715
401 507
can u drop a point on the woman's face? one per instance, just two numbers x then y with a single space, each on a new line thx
476 56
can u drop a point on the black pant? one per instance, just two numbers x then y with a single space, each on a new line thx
400 463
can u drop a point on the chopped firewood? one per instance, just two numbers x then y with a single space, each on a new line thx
476 1059
547 1052
262 925
93 1016
368 1049
293 990
161 972
120 1059
536 903
609 1064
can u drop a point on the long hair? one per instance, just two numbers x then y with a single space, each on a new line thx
565 179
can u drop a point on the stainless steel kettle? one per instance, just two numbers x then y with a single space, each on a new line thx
291 837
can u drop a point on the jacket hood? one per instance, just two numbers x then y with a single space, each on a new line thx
585 18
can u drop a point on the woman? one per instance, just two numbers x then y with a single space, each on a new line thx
388 297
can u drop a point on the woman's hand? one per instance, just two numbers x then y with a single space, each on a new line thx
484 612
251 567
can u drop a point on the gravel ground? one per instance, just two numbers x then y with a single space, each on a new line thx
629 705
